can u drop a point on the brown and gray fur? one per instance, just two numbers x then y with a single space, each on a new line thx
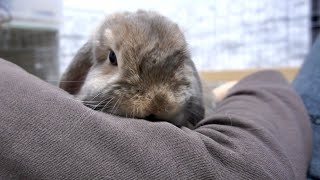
155 78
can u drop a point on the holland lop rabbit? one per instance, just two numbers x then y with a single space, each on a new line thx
137 65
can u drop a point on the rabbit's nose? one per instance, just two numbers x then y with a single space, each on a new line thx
157 118
161 108
175 119
152 117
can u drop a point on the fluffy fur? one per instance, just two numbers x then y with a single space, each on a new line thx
155 78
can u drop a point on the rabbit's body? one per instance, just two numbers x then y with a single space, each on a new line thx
137 65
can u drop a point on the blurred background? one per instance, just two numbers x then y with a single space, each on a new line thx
225 37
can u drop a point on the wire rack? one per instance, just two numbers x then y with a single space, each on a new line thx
35 50
221 34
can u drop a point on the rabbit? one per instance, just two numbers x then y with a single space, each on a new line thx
137 65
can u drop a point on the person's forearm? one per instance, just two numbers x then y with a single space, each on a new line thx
266 121
259 131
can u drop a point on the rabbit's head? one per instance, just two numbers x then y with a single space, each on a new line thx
137 65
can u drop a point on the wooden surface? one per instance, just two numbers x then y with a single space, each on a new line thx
231 75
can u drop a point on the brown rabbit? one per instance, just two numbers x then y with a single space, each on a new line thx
137 65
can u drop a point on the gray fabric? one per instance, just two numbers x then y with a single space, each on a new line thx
261 131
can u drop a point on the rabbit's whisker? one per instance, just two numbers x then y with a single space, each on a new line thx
52 80
119 103
112 112
96 96
88 101
106 105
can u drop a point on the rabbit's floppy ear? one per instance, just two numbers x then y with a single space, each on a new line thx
75 75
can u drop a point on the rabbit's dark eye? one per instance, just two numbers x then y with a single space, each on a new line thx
113 58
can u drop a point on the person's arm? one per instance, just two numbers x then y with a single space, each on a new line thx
221 91
259 131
